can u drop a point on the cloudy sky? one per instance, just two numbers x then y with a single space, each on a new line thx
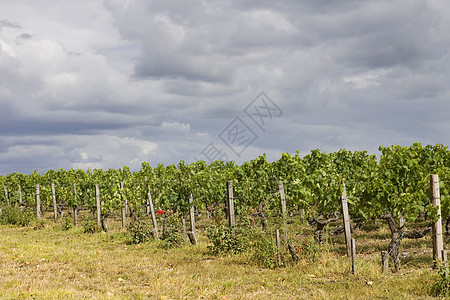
103 84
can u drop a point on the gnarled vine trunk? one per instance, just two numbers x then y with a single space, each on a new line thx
397 233
261 208
396 238
321 222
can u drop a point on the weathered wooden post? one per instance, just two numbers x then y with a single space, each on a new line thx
6 194
148 198
75 209
192 236
353 256
106 224
401 221
192 212
277 235
99 209
444 260
302 215
152 210
55 208
385 261
183 223
124 208
346 219
231 216
438 244
38 202
283 210
20 197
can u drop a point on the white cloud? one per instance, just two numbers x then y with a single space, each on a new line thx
175 127
104 151
265 18
365 80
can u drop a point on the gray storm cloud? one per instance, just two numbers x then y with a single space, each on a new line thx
114 83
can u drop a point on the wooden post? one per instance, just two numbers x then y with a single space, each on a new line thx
20 196
6 194
401 221
55 208
208 213
192 238
438 244
147 204
278 247
38 202
183 222
107 227
302 215
124 208
385 261
283 210
75 209
99 212
353 256
152 210
231 217
346 219
444 260
192 212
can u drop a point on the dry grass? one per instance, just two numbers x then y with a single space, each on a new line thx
54 264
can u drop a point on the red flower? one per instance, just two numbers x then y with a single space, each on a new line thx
159 212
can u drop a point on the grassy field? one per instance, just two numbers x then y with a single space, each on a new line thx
50 263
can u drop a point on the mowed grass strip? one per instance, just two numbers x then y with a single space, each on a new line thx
54 264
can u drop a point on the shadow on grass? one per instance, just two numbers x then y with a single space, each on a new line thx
421 243
417 260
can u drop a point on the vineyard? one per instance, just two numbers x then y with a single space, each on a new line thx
276 213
